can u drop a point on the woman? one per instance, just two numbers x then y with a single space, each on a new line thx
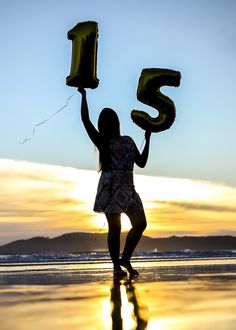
116 193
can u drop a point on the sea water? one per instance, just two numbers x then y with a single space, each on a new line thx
103 256
82 267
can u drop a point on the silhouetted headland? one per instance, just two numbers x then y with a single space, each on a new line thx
85 242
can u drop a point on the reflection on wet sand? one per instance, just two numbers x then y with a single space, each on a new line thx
127 310
180 301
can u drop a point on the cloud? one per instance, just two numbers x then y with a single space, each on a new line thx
43 197
49 200
198 206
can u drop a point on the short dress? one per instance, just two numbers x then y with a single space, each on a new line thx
116 192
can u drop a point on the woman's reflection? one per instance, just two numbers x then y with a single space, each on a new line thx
123 296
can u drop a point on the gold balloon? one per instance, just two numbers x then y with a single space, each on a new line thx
84 55
148 92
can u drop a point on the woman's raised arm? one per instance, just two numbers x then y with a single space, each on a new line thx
141 158
91 130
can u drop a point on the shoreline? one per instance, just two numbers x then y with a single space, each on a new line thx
150 271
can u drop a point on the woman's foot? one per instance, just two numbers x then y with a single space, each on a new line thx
119 273
128 266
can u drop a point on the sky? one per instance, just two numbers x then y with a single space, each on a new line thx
197 38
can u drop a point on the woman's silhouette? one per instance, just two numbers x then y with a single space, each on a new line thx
116 193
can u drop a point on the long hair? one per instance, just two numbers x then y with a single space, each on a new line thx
108 127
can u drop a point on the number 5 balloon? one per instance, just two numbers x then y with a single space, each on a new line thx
148 92
84 55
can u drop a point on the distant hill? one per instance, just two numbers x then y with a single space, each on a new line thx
84 242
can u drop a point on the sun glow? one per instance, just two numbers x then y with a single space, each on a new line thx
39 199
173 189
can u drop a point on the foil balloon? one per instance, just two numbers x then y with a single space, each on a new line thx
148 92
84 55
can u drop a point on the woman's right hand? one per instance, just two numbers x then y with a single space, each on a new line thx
82 91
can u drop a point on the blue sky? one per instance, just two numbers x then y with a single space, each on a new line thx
197 38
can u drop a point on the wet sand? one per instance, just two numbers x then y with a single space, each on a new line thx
180 295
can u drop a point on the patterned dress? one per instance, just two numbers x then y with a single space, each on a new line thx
116 192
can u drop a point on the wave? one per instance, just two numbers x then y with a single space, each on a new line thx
96 257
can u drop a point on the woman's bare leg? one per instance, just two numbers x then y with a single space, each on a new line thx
113 241
139 223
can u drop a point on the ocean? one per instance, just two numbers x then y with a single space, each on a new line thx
80 267
94 257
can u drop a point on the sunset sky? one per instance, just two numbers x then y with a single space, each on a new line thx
48 183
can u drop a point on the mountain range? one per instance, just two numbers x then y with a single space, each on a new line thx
85 242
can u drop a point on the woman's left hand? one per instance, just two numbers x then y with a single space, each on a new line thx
147 135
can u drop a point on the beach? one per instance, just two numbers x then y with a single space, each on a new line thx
168 294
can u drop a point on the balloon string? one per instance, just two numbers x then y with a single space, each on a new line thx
141 145
44 121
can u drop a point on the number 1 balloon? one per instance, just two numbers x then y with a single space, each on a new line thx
84 55
148 92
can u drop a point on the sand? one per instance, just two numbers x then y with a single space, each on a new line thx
167 295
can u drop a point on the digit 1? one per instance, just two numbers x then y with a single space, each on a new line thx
84 55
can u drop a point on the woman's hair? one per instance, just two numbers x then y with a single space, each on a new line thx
108 127
108 124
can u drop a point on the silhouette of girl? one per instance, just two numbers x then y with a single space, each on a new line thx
116 192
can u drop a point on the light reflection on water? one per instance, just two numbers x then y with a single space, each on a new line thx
179 301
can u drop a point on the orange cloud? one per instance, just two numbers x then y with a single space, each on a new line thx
39 199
